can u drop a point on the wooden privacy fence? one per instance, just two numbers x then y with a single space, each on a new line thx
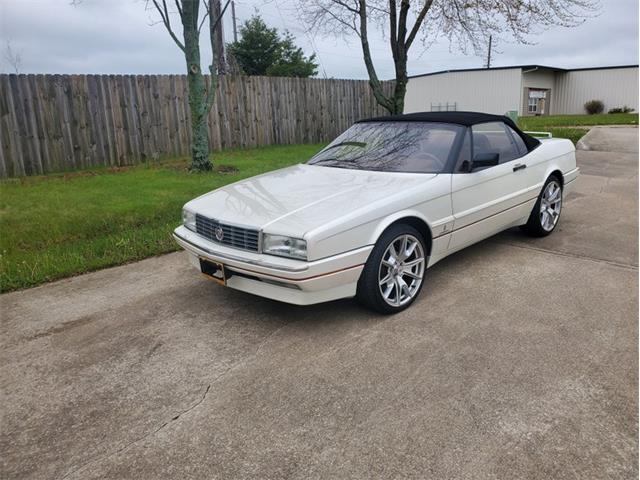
52 123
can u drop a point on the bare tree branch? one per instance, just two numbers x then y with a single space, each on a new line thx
166 20
393 26
418 23
13 57
374 81
467 24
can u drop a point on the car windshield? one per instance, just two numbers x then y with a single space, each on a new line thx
417 147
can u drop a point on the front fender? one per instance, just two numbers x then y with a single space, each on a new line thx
386 222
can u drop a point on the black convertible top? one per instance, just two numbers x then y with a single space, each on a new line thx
460 118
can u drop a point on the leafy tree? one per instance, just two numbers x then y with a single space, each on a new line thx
292 62
262 51
469 23
258 47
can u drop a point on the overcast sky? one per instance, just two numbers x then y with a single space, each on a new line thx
116 36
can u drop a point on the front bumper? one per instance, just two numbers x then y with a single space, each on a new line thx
283 279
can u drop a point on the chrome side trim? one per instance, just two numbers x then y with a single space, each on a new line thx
486 218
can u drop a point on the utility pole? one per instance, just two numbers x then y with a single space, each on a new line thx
489 53
233 16
216 14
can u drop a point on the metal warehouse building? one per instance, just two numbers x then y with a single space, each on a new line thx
528 89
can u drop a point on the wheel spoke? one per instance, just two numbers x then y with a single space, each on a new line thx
544 219
403 248
413 263
386 279
393 253
404 288
411 249
409 273
398 293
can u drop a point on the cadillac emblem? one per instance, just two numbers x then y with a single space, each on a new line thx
219 233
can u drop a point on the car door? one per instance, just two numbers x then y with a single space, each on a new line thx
531 169
487 199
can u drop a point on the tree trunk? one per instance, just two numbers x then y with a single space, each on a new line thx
197 105
400 40
400 88
374 81
197 94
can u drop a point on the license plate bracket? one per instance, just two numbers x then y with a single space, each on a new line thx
213 271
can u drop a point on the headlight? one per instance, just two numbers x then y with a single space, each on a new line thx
284 246
189 219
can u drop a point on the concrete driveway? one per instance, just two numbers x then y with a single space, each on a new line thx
518 361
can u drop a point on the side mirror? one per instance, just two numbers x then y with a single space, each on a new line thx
485 160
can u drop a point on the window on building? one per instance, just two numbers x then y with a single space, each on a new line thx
444 107
536 101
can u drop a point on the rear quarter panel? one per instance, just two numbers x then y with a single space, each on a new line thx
552 154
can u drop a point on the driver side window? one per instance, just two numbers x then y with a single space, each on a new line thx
493 137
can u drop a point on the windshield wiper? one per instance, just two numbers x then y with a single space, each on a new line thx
336 162
350 144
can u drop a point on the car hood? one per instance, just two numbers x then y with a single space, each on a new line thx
297 199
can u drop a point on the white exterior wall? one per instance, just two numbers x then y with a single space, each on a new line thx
538 79
616 87
489 91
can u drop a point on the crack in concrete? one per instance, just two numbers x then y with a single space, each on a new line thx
145 436
176 417
627 266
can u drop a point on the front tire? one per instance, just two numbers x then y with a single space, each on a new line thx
393 275
546 212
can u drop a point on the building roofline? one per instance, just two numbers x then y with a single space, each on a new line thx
524 67
610 67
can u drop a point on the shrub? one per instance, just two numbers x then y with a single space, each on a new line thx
624 109
594 106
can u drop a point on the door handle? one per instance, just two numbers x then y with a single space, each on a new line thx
520 166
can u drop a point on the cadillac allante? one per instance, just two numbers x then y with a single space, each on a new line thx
372 211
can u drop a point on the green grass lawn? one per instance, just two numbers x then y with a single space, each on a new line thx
574 127
60 225
545 122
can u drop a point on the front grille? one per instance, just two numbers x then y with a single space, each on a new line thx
236 237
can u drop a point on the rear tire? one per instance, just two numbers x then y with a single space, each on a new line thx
546 212
393 275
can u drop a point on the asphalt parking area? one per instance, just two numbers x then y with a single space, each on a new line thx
518 361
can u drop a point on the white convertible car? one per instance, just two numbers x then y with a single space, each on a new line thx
373 210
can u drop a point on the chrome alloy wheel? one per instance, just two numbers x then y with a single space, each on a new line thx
401 270
550 205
